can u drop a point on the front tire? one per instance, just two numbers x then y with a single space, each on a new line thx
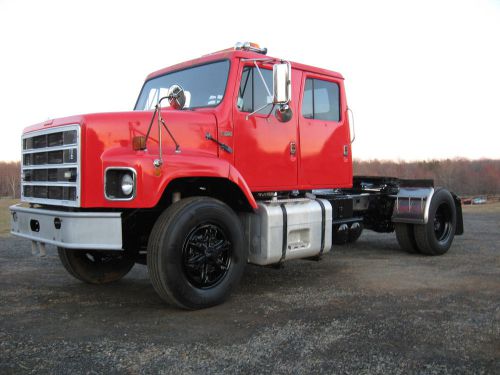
96 266
196 253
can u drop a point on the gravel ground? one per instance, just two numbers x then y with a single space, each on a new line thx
365 308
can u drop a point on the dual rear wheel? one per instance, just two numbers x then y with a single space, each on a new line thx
435 237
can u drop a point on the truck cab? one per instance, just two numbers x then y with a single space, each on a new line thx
236 87
230 158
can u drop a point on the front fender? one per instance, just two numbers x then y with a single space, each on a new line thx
236 177
152 181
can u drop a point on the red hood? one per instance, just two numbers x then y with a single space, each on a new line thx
172 117
106 141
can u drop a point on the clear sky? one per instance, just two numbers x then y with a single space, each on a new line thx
422 77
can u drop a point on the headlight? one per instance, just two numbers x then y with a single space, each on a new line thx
120 184
127 184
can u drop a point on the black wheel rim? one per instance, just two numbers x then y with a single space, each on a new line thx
206 256
443 223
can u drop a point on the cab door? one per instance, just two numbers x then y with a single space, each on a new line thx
265 150
325 147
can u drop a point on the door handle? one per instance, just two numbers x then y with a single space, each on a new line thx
293 148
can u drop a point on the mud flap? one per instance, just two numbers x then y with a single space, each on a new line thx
460 220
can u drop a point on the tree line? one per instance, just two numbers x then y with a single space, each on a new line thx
463 176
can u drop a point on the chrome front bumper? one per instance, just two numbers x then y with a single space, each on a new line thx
72 230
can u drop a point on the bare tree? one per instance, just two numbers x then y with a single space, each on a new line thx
10 179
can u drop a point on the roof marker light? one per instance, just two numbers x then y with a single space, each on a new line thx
248 46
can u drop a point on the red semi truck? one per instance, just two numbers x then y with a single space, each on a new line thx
230 158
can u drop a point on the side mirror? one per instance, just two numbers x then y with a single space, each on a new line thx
283 113
176 97
282 83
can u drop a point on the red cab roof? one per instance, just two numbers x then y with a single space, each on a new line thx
231 54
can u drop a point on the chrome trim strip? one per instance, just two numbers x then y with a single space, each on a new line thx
48 149
56 129
51 202
51 166
45 183
67 214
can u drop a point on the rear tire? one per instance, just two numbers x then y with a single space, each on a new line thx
196 253
435 237
96 266
406 237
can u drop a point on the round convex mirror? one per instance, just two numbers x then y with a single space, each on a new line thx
283 113
176 97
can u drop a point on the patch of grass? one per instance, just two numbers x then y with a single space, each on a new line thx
5 215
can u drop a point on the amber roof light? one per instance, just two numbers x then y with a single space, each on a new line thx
248 46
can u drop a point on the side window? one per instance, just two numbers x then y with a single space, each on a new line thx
307 101
252 93
245 95
321 100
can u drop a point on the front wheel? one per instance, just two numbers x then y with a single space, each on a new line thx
196 253
96 266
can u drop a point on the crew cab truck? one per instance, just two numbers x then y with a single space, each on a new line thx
230 158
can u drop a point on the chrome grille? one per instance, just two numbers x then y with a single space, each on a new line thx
51 166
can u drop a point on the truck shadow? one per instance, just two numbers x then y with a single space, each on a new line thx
136 286
135 294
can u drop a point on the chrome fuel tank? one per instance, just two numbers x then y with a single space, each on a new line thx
288 229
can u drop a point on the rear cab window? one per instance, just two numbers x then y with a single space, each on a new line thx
321 100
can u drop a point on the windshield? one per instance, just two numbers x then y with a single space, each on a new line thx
204 86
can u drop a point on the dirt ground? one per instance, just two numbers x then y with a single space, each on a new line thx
367 308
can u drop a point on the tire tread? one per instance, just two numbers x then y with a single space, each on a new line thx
63 256
424 233
405 234
160 229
